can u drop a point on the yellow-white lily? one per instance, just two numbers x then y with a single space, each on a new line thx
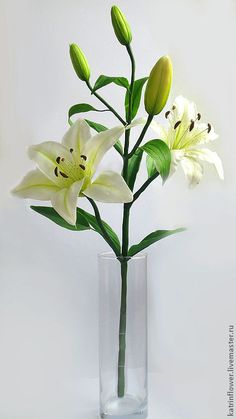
184 134
65 171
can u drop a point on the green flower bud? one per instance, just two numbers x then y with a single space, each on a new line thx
121 26
158 86
79 62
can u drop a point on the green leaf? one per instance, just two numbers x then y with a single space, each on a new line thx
136 97
99 128
85 221
105 80
134 164
160 153
91 219
48 212
82 107
151 167
118 147
152 238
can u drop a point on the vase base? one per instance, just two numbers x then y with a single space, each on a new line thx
127 407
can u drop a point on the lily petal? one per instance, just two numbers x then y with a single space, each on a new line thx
97 146
193 170
183 108
109 187
45 155
65 202
176 157
77 136
209 156
36 185
199 135
136 122
159 130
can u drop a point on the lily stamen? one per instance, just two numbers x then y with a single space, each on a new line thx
190 128
83 157
56 171
64 175
82 166
177 124
194 137
167 114
191 125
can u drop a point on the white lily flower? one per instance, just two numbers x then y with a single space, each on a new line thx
184 135
65 171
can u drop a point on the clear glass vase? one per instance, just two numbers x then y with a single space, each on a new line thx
123 336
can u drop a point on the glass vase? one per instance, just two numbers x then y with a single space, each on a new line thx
123 336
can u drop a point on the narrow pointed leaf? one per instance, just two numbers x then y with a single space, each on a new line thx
137 92
105 80
99 128
160 153
118 147
49 212
134 164
91 219
151 167
96 126
85 221
152 238
80 108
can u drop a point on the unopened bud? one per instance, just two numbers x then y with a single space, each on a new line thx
79 62
158 86
121 26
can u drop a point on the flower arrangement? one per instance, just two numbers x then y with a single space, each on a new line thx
66 171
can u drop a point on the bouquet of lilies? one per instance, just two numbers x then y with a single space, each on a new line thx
66 170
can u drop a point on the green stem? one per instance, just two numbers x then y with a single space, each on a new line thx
141 137
122 330
125 246
106 104
125 230
144 186
124 278
125 226
131 83
100 223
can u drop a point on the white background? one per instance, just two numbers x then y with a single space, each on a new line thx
48 276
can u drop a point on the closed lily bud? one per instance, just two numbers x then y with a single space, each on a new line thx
79 62
121 26
158 86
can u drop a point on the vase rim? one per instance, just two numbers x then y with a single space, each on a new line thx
111 255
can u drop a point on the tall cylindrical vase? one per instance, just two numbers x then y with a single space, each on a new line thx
123 336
